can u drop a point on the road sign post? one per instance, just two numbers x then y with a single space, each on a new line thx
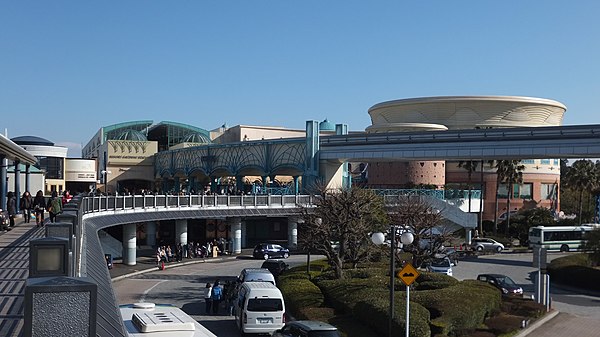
408 275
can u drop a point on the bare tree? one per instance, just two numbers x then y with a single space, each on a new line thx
339 224
427 225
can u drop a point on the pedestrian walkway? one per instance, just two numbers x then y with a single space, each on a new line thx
14 270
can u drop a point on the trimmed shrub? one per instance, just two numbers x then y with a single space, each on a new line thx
504 323
431 281
374 313
575 270
459 307
300 294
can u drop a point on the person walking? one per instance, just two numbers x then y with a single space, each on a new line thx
54 206
216 295
11 208
207 298
26 204
39 206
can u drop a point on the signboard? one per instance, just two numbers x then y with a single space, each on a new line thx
539 257
408 274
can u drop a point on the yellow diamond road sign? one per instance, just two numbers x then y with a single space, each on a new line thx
408 274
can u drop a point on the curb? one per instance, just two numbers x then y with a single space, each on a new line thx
538 323
139 272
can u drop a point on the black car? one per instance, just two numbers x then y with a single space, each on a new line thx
269 250
307 329
276 267
507 286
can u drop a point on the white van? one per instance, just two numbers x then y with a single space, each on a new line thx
259 308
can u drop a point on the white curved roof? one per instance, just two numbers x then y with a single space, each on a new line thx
464 112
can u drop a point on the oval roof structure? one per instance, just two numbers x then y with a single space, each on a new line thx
31 140
464 112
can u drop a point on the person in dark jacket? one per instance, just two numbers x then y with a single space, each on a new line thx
54 206
11 207
26 204
39 206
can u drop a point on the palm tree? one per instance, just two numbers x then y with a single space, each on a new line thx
470 166
494 164
512 172
582 176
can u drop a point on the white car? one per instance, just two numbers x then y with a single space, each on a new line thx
481 244
442 265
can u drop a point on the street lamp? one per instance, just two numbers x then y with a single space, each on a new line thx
405 239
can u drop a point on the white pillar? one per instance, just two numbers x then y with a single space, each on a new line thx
468 236
244 244
129 244
293 232
236 230
151 233
181 231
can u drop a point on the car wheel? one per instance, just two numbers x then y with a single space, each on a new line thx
564 248
286 255
266 256
498 249
479 248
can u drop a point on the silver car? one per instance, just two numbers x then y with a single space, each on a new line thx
486 244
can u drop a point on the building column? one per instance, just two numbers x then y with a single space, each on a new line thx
295 184
27 177
181 229
293 232
236 230
243 233
239 184
468 235
129 244
17 184
3 181
263 189
151 233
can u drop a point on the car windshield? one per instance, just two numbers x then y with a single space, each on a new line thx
265 304
323 334
440 263
507 281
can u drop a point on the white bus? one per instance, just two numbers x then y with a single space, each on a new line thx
561 238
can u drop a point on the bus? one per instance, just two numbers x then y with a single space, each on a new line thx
561 238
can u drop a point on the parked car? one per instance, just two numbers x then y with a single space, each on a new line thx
487 244
441 265
504 215
270 250
276 267
307 329
507 286
256 275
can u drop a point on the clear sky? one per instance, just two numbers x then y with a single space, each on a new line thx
69 67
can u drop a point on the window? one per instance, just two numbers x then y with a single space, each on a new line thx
265 304
548 191
522 191
545 161
527 161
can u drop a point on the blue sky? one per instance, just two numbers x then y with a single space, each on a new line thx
69 67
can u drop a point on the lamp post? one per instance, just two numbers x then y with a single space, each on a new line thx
405 239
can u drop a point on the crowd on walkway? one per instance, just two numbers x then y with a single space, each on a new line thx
191 250
32 207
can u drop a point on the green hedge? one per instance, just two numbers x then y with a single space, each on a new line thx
575 270
431 281
300 294
460 307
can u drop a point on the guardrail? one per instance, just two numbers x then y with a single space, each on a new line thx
134 202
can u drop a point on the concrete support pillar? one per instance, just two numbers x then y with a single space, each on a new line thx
3 182
181 229
468 236
243 231
177 186
265 183
293 232
129 244
296 191
17 183
27 178
239 183
236 231
151 233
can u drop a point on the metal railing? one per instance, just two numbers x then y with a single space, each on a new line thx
141 202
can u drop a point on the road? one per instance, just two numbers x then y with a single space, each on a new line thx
183 287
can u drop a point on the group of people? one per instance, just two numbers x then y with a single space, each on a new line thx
216 294
34 207
176 253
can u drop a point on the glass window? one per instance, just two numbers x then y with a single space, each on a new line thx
527 161
525 191
548 191
265 304
545 161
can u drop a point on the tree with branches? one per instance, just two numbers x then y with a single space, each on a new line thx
339 224
427 225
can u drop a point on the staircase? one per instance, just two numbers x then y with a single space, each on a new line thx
110 245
